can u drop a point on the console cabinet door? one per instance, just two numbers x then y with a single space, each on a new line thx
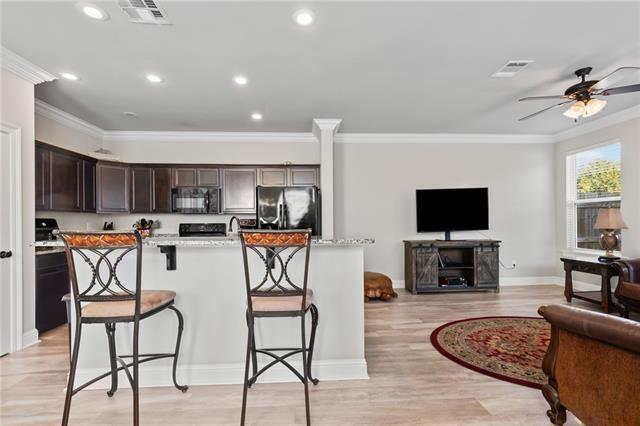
208 177
271 176
161 190
43 178
112 187
303 176
184 176
66 182
239 190
141 192
426 267
487 266
89 186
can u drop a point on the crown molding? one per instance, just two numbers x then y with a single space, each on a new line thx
23 68
436 138
168 136
319 124
64 118
601 123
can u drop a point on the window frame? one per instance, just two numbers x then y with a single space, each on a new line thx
571 197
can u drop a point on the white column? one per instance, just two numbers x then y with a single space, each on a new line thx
324 130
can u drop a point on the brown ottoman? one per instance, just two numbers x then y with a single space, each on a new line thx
378 286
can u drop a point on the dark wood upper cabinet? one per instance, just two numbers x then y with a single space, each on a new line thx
273 176
89 186
141 197
43 178
112 187
302 176
239 190
161 190
208 177
185 176
66 182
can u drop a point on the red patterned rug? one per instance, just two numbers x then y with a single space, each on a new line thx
507 348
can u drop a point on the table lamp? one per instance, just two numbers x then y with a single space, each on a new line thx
609 219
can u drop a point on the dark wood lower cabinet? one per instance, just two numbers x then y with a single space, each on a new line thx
432 266
52 282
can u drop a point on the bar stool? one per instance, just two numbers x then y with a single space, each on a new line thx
106 300
276 295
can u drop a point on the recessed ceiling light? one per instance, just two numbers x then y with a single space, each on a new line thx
256 116
304 17
154 78
240 80
130 114
93 11
69 76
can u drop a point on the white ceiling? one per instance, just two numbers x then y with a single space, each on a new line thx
415 67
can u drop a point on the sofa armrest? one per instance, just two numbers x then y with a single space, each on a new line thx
616 331
629 270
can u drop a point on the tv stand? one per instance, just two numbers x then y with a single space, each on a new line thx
433 266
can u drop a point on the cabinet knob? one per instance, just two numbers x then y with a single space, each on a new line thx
5 254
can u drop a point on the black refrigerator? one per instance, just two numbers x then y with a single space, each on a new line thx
288 207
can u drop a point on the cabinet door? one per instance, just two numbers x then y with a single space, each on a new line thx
426 267
66 182
141 191
185 177
161 190
239 190
208 177
272 176
487 266
43 179
112 187
302 176
89 186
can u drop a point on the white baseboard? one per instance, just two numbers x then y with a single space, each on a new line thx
226 374
516 281
29 338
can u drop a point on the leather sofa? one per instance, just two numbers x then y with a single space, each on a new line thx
628 289
592 365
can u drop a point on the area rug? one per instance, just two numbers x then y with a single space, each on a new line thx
506 348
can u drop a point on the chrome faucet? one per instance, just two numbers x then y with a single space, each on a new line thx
231 224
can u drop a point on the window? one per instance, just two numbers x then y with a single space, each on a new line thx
594 180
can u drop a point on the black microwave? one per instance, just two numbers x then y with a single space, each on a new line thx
195 200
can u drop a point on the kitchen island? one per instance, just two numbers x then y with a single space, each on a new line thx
210 287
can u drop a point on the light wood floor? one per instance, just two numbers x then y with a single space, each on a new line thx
411 383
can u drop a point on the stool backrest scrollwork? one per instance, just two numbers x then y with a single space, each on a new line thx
102 253
276 250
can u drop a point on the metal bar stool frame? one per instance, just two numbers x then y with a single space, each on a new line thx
275 244
111 289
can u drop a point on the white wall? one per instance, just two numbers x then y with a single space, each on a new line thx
54 133
17 108
628 133
375 196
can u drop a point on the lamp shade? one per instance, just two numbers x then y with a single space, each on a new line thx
609 218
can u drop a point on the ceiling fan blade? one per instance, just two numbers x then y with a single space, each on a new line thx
622 89
544 110
612 77
542 98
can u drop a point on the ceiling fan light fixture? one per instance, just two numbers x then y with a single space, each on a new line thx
576 110
594 106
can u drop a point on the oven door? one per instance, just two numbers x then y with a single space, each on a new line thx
190 200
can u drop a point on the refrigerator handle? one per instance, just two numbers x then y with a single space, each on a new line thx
280 217
284 218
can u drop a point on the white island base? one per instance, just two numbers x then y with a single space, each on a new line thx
210 287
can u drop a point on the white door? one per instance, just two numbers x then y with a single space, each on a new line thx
5 244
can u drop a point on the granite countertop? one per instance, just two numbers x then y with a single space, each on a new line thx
228 241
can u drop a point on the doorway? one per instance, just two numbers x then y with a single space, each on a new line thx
10 240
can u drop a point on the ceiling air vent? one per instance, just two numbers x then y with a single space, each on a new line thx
144 11
511 68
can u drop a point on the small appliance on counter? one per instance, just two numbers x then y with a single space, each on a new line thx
195 200
289 207
202 230
52 279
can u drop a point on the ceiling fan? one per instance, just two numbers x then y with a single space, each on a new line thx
584 94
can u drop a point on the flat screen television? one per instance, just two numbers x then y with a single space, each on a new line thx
460 209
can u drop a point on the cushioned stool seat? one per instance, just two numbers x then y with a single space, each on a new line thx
281 303
149 300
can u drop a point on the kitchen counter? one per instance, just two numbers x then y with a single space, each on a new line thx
210 285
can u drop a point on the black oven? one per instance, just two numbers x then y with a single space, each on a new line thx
195 200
